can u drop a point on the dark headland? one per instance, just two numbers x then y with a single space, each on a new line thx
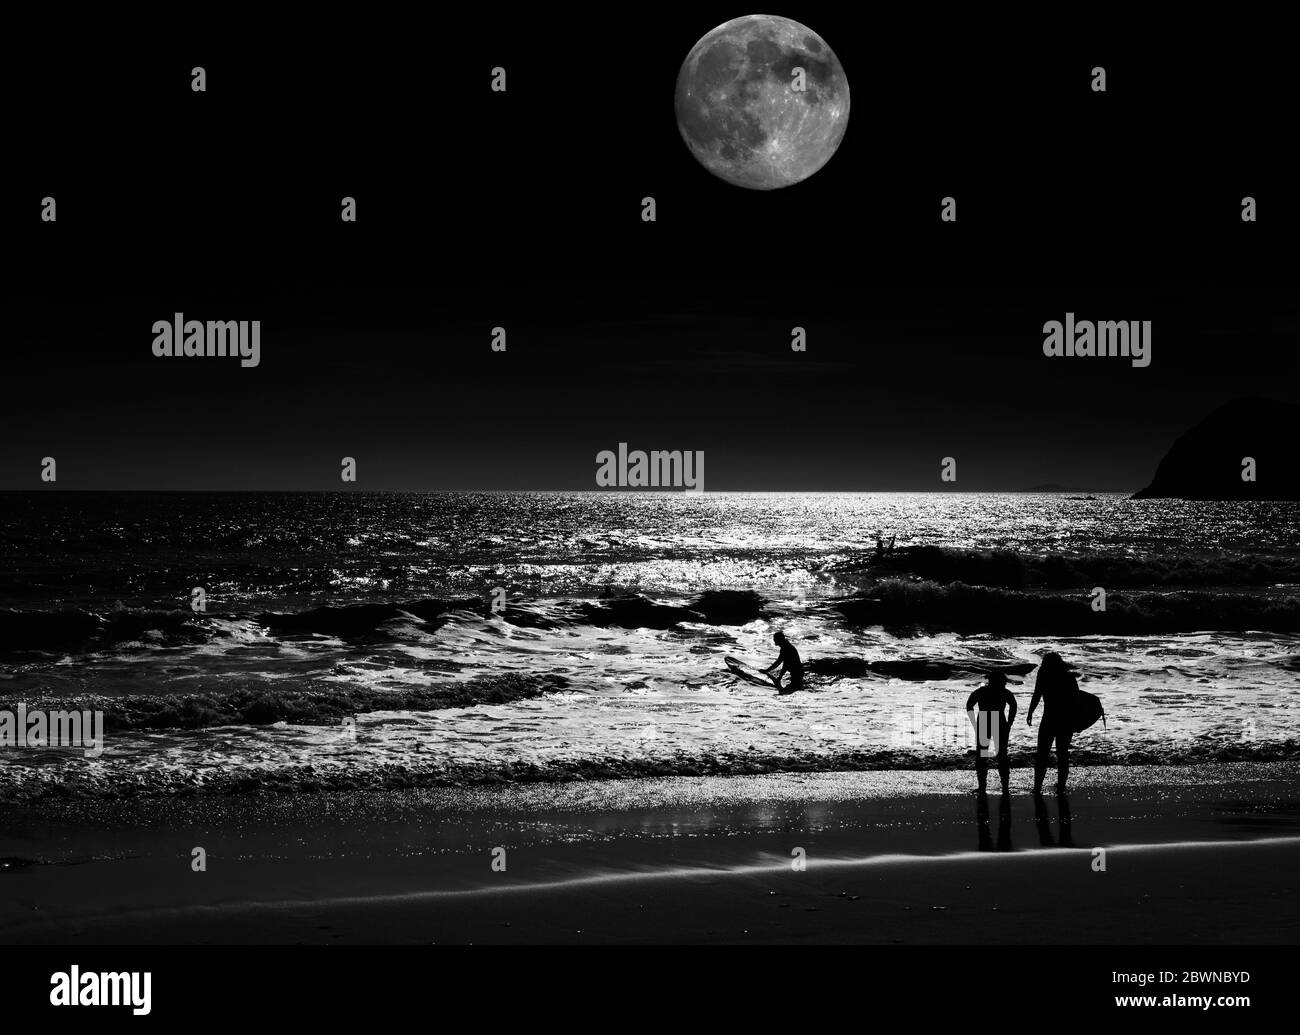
1206 463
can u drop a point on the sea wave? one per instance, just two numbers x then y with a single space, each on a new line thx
900 605
28 786
80 631
1010 569
922 607
313 703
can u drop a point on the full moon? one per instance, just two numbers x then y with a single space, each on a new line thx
762 102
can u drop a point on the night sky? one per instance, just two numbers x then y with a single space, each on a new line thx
523 210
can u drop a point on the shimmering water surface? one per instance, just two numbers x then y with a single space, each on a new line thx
365 598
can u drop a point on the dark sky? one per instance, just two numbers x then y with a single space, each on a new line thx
523 210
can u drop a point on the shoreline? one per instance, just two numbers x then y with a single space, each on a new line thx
1191 855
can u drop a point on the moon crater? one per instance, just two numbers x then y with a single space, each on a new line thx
762 102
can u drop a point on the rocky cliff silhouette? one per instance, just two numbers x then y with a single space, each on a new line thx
1205 463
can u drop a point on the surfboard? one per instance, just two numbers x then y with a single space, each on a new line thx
1085 710
751 675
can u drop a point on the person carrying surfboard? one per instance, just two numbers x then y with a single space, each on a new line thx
1057 688
993 730
791 664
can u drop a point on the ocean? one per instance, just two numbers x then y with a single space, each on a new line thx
352 640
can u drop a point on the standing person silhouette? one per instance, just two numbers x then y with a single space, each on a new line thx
791 665
994 730
1055 686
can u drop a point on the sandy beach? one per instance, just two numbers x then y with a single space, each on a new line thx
1192 855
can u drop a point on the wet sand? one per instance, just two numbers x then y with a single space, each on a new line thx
1198 854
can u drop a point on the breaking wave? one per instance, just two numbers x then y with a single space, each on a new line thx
27 787
311 704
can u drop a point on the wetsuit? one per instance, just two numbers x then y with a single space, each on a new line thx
792 665
1056 689
990 739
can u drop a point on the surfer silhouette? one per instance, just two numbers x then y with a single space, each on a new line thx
790 664
992 728
1056 687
